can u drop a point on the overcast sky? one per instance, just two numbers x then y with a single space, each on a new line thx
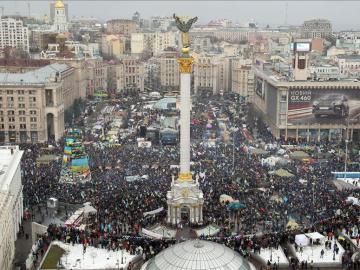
342 14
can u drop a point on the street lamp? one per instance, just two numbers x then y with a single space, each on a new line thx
346 155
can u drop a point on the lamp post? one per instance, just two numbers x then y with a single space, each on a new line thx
346 155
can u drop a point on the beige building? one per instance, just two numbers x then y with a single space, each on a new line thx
242 78
211 74
130 75
97 75
152 42
11 202
169 71
112 46
32 104
318 28
121 26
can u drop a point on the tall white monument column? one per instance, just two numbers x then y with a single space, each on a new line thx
185 197
185 106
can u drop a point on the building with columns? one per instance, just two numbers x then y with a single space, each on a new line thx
32 104
11 202
185 199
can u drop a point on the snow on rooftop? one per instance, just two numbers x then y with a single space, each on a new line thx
9 161
93 258
37 76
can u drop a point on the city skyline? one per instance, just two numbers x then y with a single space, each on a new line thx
263 12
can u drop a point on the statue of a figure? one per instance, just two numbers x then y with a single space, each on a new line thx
184 27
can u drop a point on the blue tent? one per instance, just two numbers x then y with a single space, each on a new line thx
235 206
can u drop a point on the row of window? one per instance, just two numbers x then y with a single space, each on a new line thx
22 126
10 98
19 92
21 119
21 112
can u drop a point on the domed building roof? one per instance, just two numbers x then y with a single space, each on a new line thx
59 4
197 255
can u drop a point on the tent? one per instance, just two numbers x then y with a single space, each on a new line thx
315 236
352 200
225 198
235 205
302 240
283 173
299 155
292 225
88 209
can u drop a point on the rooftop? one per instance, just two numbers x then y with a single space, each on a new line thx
197 254
10 157
38 76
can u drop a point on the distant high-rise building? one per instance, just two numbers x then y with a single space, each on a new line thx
121 26
136 17
318 28
14 34
60 17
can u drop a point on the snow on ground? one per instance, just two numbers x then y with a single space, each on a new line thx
93 258
351 181
164 231
313 254
276 255
208 230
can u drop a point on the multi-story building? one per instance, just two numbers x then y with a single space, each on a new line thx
242 78
14 34
130 75
317 28
32 104
52 11
324 72
60 17
113 46
298 107
211 74
348 64
97 75
153 42
121 27
169 71
11 202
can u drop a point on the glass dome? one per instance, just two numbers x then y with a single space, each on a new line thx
197 255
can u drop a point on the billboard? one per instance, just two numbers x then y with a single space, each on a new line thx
323 106
260 87
302 47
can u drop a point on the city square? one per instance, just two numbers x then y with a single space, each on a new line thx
178 145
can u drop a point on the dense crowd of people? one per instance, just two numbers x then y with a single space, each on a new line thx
228 167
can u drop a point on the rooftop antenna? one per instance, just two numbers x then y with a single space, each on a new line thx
28 6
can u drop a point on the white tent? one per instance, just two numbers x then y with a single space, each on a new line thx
315 236
302 240
88 209
352 200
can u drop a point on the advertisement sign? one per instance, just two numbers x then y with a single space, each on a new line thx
259 88
302 47
323 106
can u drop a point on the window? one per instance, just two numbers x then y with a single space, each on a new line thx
32 99
21 92
21 99
22 119
33 119
11 119
33 112
11 126
21 105
33 126
32 92
2 126
9 92
21 112
11 112
22 126
10 99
